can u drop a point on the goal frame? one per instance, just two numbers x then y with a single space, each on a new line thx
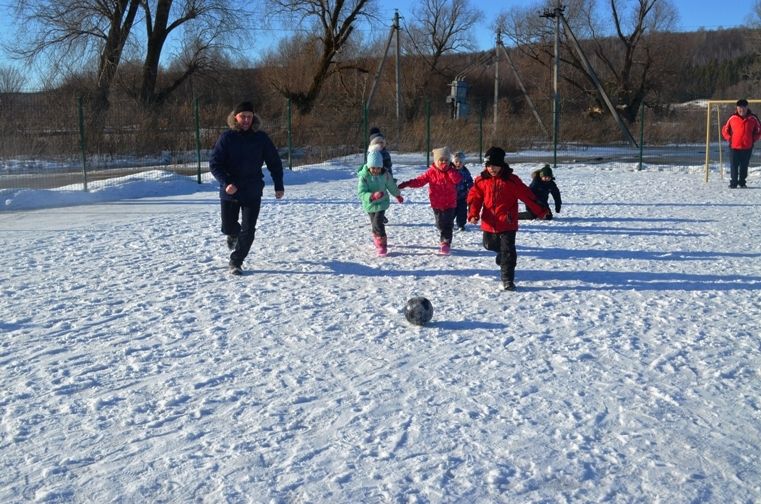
710 106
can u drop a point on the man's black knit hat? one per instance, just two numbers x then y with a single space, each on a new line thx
245 106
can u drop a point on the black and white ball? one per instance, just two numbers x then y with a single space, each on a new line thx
418 311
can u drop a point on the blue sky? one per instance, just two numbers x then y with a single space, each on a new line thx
693 15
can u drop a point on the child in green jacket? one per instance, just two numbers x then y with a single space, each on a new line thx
374 186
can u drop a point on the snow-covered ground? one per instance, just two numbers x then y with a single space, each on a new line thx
134 368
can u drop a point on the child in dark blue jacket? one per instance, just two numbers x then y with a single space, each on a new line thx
378 143
461 213
543 184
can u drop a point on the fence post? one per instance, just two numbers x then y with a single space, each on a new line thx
718 136
290 136
480 130
641 132
428 131
365 128
81 114
197 114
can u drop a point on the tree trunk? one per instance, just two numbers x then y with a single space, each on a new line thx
157 33
304 102
122 18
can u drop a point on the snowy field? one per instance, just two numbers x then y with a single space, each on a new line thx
626 368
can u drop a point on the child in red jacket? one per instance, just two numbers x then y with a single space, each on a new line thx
494 200
442 179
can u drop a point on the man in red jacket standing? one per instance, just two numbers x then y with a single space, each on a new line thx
494 200
742 130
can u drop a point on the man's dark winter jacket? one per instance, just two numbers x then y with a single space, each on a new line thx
237 158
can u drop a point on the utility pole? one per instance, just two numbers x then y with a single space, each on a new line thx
380 65
596 81
398 78
394 31
496 86
518 79
556 13
558 16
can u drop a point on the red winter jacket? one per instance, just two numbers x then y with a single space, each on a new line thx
495 201
442 186
742 132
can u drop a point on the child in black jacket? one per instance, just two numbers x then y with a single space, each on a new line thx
461 213
543 184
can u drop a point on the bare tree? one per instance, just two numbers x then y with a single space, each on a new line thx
11 80
77 31
754 18
330 26
443 27
633 71
205 25
630 60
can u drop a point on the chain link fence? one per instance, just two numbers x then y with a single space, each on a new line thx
50 142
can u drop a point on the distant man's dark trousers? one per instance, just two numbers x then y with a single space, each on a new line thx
738 167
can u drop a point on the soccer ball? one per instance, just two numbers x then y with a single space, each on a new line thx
418 311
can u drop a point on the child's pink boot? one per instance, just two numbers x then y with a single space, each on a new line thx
383 251
380 245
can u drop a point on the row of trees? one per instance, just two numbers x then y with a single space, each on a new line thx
107 47
94 36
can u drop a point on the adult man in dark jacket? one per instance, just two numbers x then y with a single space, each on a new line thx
236 162
742 130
